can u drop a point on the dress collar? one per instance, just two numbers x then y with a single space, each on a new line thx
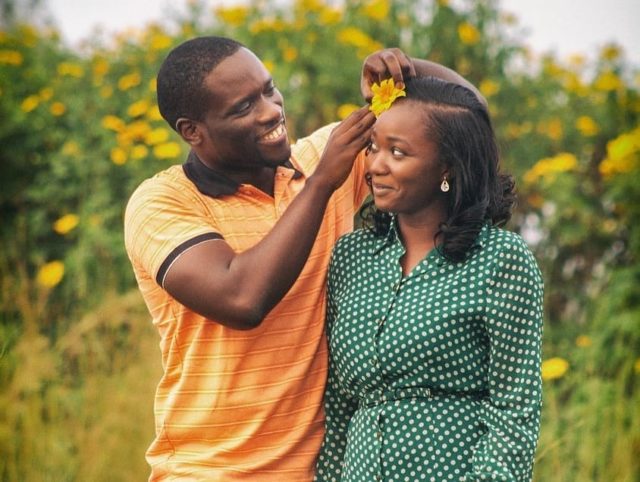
214 184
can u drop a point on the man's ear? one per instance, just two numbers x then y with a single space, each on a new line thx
189 131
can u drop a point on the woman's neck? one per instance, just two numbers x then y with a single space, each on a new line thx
418 233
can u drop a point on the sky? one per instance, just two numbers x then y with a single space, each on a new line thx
565 27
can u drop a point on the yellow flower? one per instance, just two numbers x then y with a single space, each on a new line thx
57 109
168 150
554 368
489 87
160 41
549 167
100 67
384 95
129 81
330 16
153 85
234 16
11 57
112 123
156 136
118 156
356 37
66 223
608 81
552 129
468 33
636 365
376 9
345 110
50 274
583 341
70 69
153 113
610 52
30 103
71 148
138 108
587 126
46 93
290 54
623 154
139 152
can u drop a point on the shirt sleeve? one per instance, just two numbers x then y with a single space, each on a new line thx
511 414
161 222
339 405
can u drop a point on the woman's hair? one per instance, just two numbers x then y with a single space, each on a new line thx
459 125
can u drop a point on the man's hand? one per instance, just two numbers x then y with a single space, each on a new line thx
344 144
383 64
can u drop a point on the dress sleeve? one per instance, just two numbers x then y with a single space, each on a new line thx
339 405
511 414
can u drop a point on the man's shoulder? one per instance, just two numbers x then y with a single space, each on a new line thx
172 179
306 151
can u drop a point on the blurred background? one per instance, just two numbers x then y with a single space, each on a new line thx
80 129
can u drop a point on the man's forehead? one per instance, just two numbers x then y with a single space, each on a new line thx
237 75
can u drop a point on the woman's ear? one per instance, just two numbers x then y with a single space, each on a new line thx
189 131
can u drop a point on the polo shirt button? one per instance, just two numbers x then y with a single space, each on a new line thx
374 362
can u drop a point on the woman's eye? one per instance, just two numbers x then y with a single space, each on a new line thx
372 147
396 152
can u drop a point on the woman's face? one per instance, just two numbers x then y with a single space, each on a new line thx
403 161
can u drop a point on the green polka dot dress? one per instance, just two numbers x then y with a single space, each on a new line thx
434 376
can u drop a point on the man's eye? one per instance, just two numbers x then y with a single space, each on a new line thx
270 90
244 106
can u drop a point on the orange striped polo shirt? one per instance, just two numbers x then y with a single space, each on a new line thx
236 405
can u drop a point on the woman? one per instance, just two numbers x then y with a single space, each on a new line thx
434 312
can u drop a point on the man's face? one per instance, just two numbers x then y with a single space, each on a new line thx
244 124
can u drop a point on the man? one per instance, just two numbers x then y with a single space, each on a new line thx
230 253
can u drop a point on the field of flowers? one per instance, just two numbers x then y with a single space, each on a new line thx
79 129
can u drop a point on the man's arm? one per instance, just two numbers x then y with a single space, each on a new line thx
396 64
239 289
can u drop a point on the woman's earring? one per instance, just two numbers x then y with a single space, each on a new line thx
444 186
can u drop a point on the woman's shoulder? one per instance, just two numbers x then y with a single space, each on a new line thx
359 239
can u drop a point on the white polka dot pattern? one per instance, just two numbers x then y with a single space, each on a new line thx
434 376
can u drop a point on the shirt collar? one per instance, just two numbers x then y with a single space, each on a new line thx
214 184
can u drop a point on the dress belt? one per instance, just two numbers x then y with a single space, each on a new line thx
381 396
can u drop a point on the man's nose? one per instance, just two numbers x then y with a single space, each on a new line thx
270 109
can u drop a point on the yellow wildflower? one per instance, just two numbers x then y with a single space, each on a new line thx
384 95
113 123
376 9
468 33
119 156
587 126
330 16
156 136
11 57
608 81
66 223
70 148
139 152
610 52
30 103
233 16
46 93
160 41
138 108
552 129
136 131
636 365
554 368
50 274
290 54
153 85
57 109
70 69
489 87
153 113
354 36
623 154
346 109
168 150
549 167
583 341
100 67
129 81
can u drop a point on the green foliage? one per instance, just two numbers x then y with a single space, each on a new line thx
80 129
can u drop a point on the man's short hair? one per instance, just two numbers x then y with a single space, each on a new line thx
181 91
